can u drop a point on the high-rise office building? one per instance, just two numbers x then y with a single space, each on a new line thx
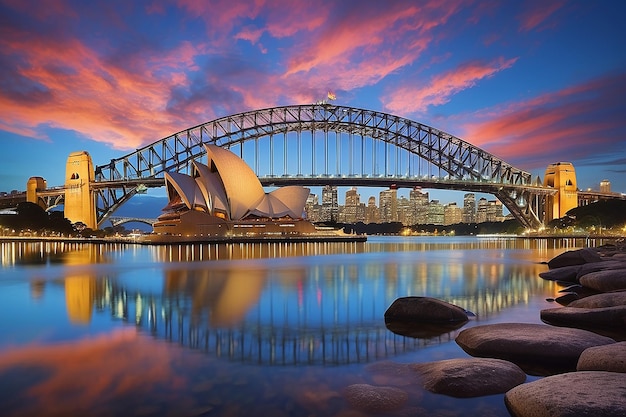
388 206
330 206
372 214
435 212
419 205
353 200
469 208
452 214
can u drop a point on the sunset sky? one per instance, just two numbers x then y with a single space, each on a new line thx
533 82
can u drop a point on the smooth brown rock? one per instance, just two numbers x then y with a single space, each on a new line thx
605 281
373 399
613 318
599 266
565 274
575 394
536 348
471 377
574 257
609 299
610 358
425 309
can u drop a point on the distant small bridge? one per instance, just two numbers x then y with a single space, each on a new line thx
117 221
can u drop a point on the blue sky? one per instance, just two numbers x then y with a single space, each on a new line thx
533 82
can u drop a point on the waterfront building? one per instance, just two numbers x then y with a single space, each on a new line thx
419 205
372 214
605 186
225 198
452 214
435 213
469 208
405 215
312 208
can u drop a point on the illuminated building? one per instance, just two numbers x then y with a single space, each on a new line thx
388 206
605 186
469 208
225 198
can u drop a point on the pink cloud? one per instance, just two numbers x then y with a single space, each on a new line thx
537 13
442 87
563 125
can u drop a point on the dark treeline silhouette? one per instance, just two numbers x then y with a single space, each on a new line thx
604 214
461 229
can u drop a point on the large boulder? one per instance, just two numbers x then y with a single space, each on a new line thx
610 358
373 399
609 299
587 393
599 266
425 309
536 348
595 319
470 377
605 281
565 274
574 257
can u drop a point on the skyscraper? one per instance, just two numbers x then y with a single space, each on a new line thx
419 205
388 206
371 211
353 200
330 207
469 208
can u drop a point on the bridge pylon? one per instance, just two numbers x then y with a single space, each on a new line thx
33 186
80 203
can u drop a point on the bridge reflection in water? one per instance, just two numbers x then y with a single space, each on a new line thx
321 304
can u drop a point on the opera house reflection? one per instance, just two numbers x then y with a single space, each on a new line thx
324 306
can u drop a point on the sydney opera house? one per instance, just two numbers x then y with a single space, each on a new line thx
226 199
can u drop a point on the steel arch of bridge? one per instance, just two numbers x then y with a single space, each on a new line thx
319 144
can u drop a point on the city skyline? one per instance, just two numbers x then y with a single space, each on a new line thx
520 80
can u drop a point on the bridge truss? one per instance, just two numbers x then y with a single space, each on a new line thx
319 144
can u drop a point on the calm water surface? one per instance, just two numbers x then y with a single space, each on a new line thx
244 329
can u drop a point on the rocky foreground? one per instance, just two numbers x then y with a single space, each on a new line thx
580 352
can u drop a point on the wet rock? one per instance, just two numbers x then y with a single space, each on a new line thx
599 266
605 281
594 319
422 330
609 299
536 348
372 399
610 358
587 393
574 257
464 378
565 274
424 309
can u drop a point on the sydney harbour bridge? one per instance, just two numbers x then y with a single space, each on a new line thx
316 144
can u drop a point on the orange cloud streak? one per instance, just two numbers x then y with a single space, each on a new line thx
538 13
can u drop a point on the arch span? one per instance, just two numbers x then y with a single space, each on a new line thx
318 143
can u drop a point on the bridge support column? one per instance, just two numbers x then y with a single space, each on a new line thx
33 185
562 177
80 203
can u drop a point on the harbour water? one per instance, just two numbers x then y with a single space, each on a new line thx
275 329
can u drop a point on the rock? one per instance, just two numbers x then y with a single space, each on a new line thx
587 393
599 266
464 378
605 281
422 330
594 319
536 348
609 299
610 358
372 399
424 309
574 257
392 373
567 298
565 274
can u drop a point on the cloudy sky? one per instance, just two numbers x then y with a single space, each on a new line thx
533 82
